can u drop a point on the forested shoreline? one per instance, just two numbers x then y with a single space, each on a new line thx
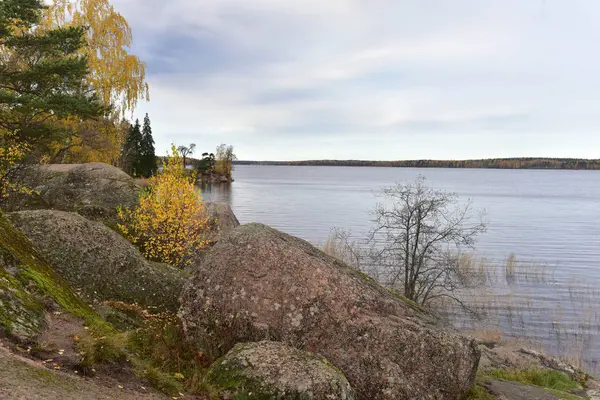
492 163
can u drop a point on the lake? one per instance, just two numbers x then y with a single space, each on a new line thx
550 220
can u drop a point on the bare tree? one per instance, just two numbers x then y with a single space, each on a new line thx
186 151
419 234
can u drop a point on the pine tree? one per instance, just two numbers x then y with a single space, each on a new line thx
41 76
148 156
131 155
42 80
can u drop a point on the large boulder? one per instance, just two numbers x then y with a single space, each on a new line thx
99 262
273 370
258 283
29 287
94 190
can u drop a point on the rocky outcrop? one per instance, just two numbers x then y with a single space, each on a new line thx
99 262
221 218
258 283
507 390
28 286
221 221
273 370
94 190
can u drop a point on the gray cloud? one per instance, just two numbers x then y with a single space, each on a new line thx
379 79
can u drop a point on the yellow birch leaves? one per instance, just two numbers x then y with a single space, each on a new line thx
118 76
169 224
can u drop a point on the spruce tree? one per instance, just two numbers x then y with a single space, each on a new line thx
131 154
148 156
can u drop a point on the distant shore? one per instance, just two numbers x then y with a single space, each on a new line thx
492 163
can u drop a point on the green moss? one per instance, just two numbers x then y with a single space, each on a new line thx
21 316
229 377
33 268
538 377
410 302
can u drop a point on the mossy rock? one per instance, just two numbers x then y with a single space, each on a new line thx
272 370
99 262
21 315
25 280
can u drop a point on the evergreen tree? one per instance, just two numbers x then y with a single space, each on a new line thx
42 78
131 155
148 156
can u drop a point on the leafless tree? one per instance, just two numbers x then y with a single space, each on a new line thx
419 235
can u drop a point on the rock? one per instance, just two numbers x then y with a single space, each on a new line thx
29 286
507 390
22 378
507 355
98 261
21 315
94 190
273 370
222 219
258 283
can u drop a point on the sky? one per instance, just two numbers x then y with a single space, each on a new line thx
376 79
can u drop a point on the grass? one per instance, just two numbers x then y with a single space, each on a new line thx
553 382
161 354
549 379
156 351
478 393
108 348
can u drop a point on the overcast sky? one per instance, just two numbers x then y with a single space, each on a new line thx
376 79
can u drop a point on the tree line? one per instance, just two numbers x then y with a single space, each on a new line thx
492 163
66 82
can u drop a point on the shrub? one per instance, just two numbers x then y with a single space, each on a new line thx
169 224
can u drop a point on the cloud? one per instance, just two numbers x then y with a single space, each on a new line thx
382 79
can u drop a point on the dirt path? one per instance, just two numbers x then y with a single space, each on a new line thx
24 379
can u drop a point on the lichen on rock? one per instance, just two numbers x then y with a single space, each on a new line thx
98 261
258 283
94 190
272 370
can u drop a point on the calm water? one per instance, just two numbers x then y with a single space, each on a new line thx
547 217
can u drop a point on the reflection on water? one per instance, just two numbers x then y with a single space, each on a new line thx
217 192
545 217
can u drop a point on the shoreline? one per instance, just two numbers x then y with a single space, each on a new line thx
569 164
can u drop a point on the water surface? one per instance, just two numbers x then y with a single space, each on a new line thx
547 217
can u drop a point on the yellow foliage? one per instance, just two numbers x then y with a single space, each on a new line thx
170 222
118 76
12 151
90 141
